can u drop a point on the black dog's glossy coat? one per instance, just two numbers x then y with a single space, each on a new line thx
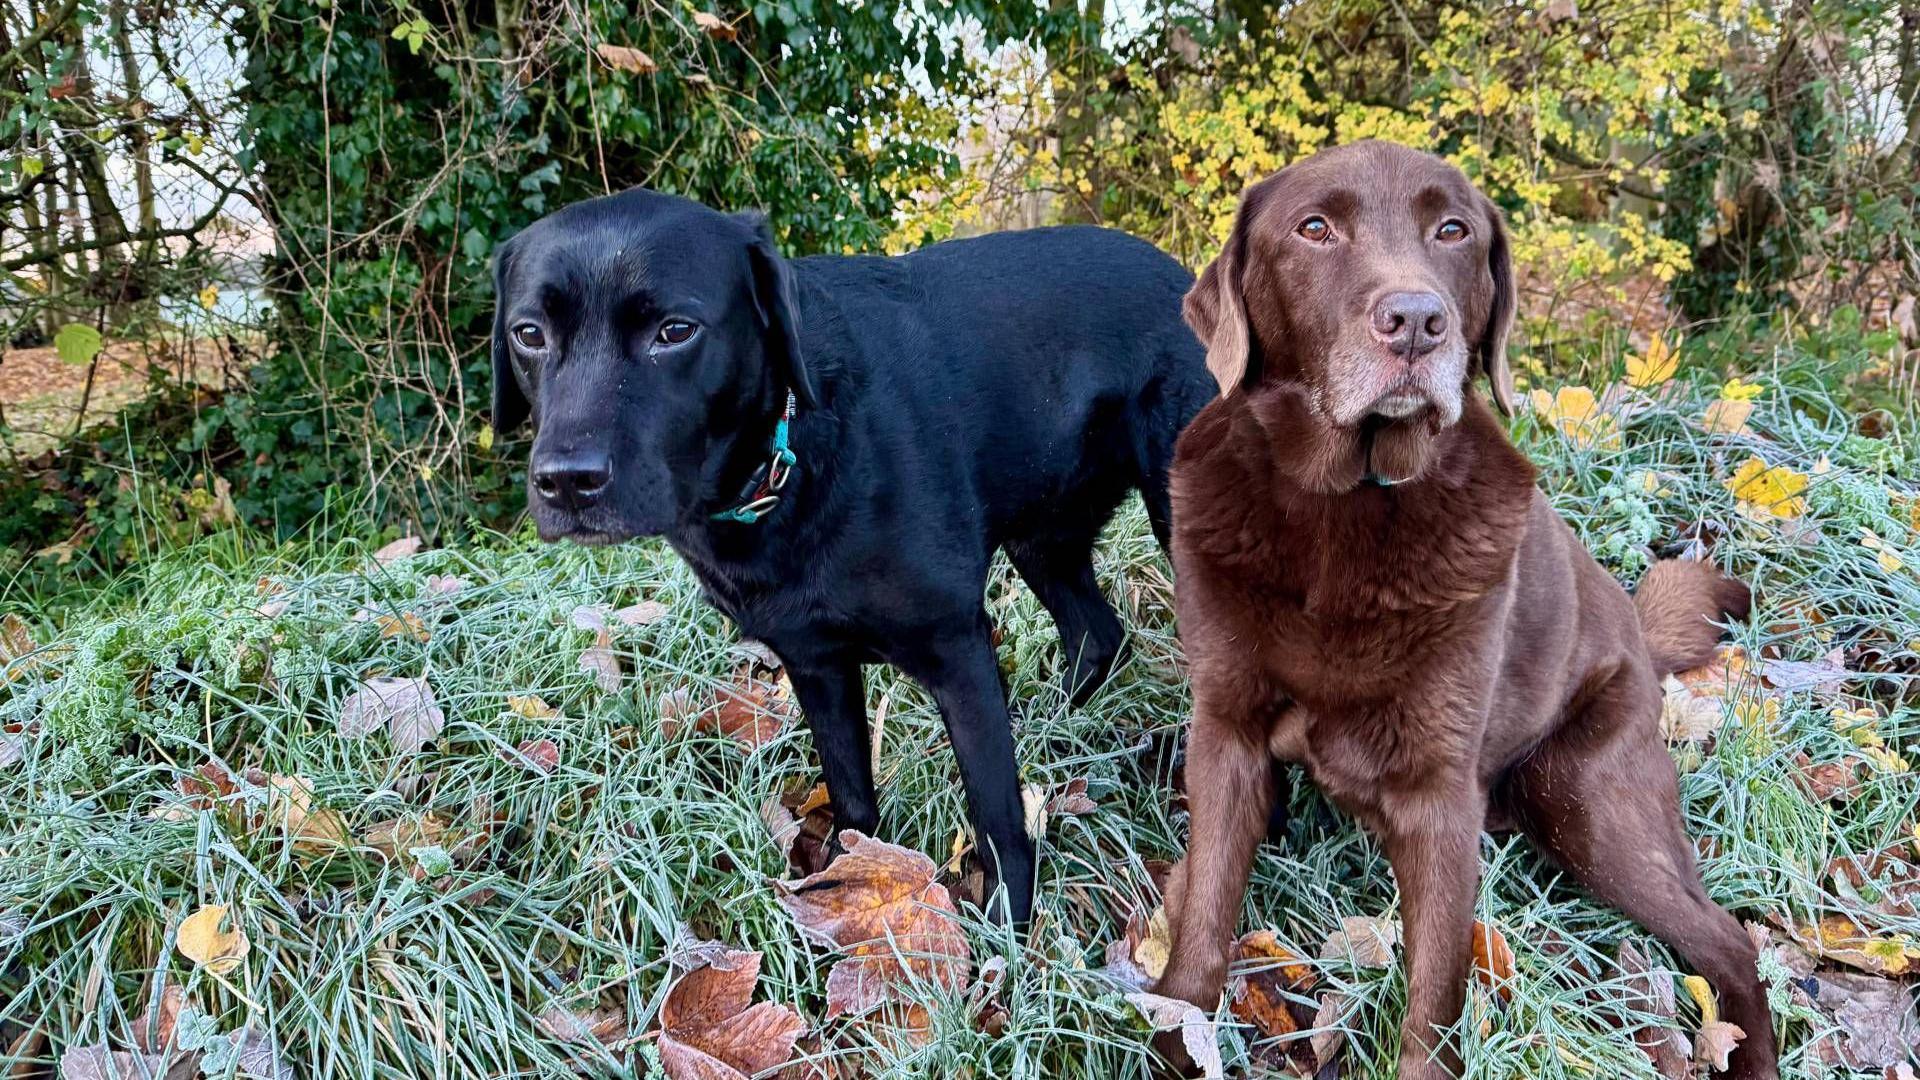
1005 391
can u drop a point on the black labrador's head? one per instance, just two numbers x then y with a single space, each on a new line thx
645 335
1372 279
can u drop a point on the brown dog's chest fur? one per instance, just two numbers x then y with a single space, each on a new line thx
1369 617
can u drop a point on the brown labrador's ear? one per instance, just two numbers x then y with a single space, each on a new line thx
773 297
510 405
1493 341
1217 311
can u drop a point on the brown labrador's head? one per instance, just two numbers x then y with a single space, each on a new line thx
1372 278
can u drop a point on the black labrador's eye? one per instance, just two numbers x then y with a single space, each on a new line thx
1315 229
529 337
1451 232
676 332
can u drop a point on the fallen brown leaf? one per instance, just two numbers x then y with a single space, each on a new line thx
1266 979
750 711
1492 960
534 755
404 706
394 552
1830 781
711 1030
1364 940
1198 1035
598 660
880 905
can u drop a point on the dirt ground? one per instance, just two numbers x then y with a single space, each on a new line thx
42 395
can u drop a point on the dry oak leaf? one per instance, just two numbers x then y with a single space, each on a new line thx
1197 1033
1363 940
531 707
1840 939
1715 1042
290 807
404 706
1876 1024
880 905
714 26
626 58
752 712
644 613
606 1026
598 660
1830 781
1151 942
711 1030
1492 960
540 756
1267 974
201 940
405 624
96 1062
153 1028
394 552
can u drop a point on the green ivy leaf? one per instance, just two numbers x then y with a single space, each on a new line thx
77 343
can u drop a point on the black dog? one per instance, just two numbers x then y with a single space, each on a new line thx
838 445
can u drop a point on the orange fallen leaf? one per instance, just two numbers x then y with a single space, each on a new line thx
879 904
711 1030
750 711
406 624
1492 960
1267 974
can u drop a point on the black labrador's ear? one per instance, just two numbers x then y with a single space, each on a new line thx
510 405
1216 307
773 298
1493 341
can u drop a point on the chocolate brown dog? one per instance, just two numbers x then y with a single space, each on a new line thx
1370 585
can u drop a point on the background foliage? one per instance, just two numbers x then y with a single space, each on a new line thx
1662 163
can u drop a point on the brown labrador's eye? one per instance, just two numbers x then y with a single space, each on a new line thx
1451 232
676 332
1315 229
529 337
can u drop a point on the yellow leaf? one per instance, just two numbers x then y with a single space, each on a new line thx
1157 947
1737 390
202 941
485 441
1655 367
1575 413
406 624
1884 554
1764 491
1703 997
533 707
1727 417
209 297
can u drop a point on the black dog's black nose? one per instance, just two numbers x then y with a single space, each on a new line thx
574 481
1410 324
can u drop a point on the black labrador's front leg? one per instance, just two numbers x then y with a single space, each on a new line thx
833 700
957 666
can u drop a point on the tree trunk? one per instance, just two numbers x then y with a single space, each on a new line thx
1073 59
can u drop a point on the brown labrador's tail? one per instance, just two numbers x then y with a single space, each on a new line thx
1676 600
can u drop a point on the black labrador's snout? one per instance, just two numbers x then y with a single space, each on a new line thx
572 480
1410 324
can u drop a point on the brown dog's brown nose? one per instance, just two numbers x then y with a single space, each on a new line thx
1410 324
